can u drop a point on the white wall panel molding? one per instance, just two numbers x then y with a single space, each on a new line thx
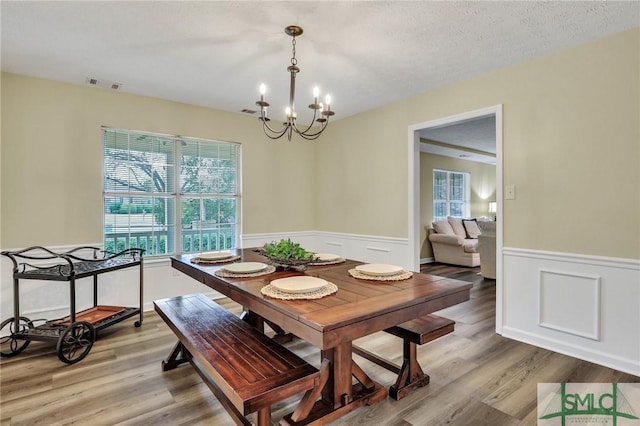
579 305
306 239
555 288
365 248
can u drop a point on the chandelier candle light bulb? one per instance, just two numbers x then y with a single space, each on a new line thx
320 115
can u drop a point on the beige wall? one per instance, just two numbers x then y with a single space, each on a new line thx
570 146
483 190
52 160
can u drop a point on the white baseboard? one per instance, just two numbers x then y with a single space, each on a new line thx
580 305
602 358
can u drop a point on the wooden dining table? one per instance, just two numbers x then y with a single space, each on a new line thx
359 308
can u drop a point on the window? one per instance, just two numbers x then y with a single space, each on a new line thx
451 194
169 194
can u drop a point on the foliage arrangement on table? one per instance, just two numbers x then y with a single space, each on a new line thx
287 254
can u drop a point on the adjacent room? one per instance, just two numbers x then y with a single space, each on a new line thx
379 212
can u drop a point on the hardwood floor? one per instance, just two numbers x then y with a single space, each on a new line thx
477 377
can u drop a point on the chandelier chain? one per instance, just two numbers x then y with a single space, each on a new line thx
294 61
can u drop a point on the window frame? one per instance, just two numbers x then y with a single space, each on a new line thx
466 196
174 193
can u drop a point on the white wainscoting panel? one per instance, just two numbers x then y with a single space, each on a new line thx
50 299
556 287
364 248
305 239
583 306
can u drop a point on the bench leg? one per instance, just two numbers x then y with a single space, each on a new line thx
411 374
178 356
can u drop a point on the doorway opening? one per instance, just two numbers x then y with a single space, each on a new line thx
414 139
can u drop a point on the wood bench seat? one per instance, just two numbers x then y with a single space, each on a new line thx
245 370
415 332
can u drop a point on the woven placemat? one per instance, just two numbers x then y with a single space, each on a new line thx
273 292
397 277
200 261
270 269
328 262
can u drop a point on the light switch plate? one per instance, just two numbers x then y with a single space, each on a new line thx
510 192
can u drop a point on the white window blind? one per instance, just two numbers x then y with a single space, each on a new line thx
451 194
169 194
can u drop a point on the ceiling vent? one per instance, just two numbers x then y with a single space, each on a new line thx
104 84
248 111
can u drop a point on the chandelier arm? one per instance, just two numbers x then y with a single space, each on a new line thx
307 133
313 120
316 134
276 134
312 136
263 118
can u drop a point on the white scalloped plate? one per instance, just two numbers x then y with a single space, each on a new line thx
299 284
326 257
245 267
215 255
379 269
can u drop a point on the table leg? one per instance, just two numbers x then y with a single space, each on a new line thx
252 318
340 396
280 335
338 391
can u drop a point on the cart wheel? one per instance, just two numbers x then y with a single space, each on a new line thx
9 345
137 323
76 342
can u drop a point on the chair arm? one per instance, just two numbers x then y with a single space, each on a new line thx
454 240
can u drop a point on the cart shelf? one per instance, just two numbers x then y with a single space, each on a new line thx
76 332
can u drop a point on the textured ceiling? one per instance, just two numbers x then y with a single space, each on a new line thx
366 54
472 140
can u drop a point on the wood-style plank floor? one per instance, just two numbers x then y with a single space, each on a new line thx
477 377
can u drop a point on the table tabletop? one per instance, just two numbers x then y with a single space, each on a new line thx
359 308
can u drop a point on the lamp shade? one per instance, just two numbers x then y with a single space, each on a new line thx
492 207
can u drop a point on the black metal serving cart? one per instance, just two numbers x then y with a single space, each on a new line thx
74 334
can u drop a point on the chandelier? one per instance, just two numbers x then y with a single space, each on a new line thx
320 111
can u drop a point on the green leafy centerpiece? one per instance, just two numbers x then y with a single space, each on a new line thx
287 254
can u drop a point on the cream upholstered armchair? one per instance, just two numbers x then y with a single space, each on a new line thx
487 250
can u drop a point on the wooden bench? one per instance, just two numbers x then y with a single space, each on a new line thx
415 332
245 370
